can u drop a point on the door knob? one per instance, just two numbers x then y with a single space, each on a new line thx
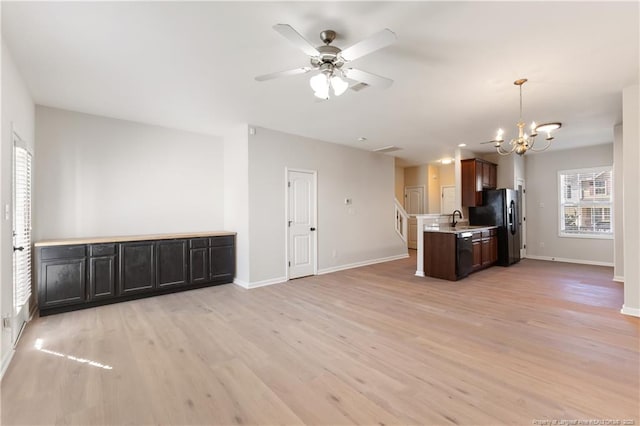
18 248
312 229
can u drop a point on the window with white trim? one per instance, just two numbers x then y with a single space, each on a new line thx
586 202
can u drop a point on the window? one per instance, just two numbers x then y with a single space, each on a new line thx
586 201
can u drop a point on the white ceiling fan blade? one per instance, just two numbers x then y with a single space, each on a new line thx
367 78
377 41
294 37
279 74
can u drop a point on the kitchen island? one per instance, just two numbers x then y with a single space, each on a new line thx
452 253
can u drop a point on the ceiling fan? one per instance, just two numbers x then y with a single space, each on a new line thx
328 62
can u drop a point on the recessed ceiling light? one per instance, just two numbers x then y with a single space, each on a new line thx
462 145
362 139
446 160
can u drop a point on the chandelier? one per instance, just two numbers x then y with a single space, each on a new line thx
523 143
329 77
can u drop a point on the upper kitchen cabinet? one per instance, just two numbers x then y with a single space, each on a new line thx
477 175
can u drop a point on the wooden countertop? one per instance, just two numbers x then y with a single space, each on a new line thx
120 239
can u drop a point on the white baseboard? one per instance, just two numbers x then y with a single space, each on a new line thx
565 260
363 263
241 283
635 312
618 278
5 362
419 274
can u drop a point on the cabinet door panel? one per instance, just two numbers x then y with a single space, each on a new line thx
199 265
486 175
486 252
477 255
171 262
222 263
102 277
62 282
493 176
137 267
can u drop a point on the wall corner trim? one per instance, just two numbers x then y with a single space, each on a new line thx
634 312
363 263
618 278
565 260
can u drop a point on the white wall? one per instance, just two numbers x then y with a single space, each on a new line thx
361 232
618 205
631 177
97 176
17 109
236 196
542 205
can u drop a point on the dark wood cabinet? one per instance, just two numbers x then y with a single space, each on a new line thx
477 254
477 175
199 265
171 263
485 249
83 275
137 267
62 282
102 271
440 255
222 261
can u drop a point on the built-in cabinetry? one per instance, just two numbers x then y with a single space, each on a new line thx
485 248
477 175
75 274
444 257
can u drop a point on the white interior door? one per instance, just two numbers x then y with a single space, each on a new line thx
301 223
414 199
448 204
21 236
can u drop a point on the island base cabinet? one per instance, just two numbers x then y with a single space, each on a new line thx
73 277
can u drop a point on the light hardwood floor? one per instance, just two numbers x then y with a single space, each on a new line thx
373 345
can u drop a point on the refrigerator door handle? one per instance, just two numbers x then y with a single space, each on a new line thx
512 224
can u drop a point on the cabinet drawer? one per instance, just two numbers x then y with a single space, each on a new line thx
221 241
198 243
477 236
102 250
486 234
62 252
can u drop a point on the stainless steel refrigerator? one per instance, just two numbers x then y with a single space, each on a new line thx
501 209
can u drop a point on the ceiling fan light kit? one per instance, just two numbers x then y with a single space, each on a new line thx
329 60
523 143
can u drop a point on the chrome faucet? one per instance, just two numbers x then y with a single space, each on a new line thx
453 217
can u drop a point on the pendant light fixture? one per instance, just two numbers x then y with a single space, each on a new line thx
523 143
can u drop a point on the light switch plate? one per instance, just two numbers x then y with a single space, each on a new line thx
6 212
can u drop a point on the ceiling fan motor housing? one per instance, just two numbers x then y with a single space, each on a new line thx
328 55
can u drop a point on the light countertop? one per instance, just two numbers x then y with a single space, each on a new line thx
456 230
120 239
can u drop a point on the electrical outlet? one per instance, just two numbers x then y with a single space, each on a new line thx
541 244
6 322
348 201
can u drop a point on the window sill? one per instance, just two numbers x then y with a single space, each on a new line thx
588 236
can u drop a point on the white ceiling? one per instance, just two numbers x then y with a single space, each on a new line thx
192 66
